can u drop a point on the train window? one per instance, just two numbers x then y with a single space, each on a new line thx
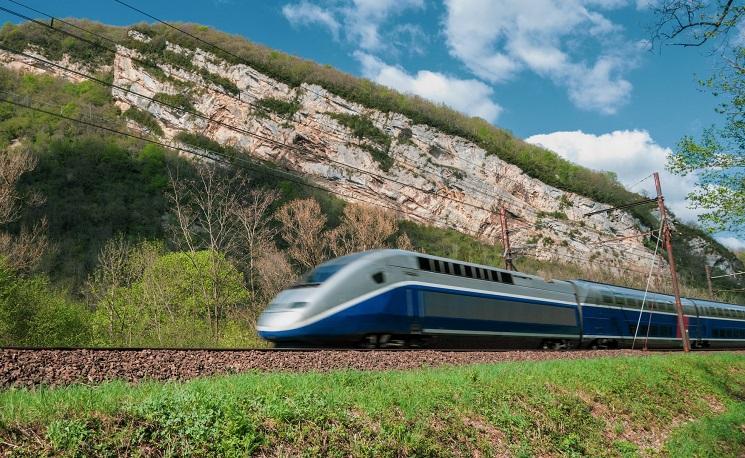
469 271
438 267
607 299
424 264
479 273
447 268
378 277
458 269
494 275
507 278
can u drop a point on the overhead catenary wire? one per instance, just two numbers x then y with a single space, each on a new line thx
243 60
228 160
646 291
242 131
503 196
217 157
245 132
521 204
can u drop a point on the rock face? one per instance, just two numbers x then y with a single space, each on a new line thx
428 176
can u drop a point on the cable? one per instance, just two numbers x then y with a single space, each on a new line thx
203 84
537 212
242 131
221 158
646 290
239 58
248 164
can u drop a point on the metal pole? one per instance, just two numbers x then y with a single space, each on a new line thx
708 280
671 260
506 240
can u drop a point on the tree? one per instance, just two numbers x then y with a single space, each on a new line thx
179 312
362 228
256 235
717 159
120 266
24 250
204 210
32 313
302 228
274 273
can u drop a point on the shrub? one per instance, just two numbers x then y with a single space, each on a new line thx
281 107
145 119
384 160
180 100
362 128
229 86
32 313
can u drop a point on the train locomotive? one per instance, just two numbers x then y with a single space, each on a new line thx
393 297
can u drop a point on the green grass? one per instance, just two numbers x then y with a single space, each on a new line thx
602 407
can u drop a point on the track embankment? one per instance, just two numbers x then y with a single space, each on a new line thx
29 368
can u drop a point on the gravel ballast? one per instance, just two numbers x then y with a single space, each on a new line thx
29 368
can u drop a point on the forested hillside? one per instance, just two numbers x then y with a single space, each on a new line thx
107 239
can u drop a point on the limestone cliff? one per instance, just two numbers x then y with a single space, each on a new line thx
428 175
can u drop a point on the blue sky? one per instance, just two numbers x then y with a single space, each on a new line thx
576 76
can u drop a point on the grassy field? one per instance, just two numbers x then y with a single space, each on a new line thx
681 405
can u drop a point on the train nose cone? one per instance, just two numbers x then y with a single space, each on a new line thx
278 319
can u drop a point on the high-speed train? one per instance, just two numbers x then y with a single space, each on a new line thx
399 298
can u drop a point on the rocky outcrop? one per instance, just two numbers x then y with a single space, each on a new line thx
433 178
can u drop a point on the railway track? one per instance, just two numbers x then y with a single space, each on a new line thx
26 367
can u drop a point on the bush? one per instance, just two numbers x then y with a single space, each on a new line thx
384 160
281 107
362 127
229 86
179 299
180 100
144 119
32 313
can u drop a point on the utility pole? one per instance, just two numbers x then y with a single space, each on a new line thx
708 280
506 239
671 261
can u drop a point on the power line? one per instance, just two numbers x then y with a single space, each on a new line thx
155 66
181 109
241 130
229 160
520 204
215 156
243 60
229 53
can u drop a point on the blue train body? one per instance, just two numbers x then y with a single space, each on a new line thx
394 297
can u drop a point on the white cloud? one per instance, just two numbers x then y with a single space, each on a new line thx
733 243
496 39
361 19
466 95
645 4
305 13
631 154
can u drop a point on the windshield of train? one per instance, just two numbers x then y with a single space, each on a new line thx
323 272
